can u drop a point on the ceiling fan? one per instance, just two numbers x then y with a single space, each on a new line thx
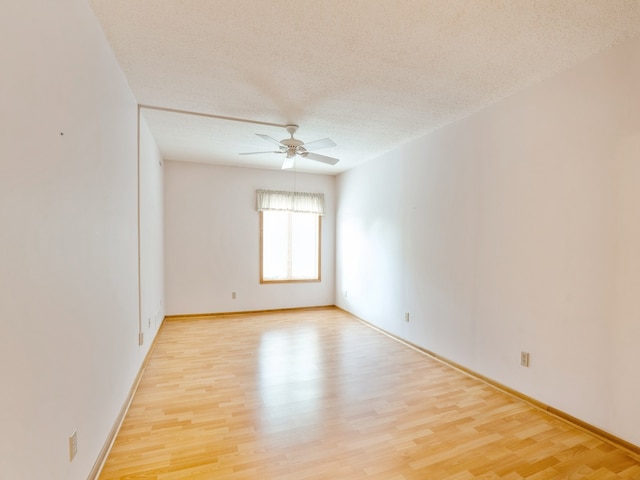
292 147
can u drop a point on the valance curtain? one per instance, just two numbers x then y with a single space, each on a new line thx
290 201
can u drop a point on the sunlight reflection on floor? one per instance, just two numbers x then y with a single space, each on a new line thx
290 377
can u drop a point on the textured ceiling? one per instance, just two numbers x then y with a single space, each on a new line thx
369 74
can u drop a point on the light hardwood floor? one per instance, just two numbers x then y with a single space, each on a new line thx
316 394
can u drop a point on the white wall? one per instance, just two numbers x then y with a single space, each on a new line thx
514 229
151 234
68 239
212 239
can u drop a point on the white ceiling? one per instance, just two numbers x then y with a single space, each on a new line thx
369 74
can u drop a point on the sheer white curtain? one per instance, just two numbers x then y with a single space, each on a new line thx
290 201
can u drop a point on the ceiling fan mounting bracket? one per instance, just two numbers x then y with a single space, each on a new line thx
292 129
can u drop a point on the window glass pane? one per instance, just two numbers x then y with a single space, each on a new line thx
275 245
304 246
290 246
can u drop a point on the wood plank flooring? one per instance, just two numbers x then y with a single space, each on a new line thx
316 394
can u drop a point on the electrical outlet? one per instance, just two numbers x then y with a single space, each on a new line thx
406 316
233 295
73 445
524 359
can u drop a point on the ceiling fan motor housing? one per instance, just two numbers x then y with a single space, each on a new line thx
292 142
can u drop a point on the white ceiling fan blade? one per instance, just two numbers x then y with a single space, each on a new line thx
269 139
318 144
256 153
288 163
321 158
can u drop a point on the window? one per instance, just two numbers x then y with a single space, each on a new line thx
290 232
